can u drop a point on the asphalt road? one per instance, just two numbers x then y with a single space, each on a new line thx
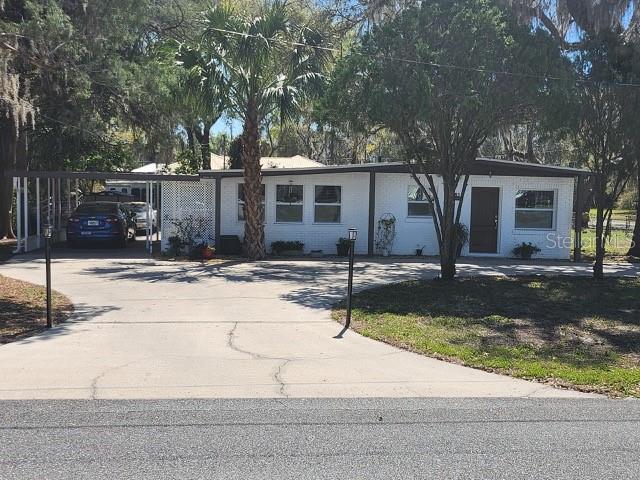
321 438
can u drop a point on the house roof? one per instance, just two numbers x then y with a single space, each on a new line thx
481 166
218 162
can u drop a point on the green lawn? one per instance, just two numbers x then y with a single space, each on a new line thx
566 331
617 214
617 245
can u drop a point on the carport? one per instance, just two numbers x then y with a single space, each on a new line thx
57 194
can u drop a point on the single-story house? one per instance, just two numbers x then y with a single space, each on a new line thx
506 203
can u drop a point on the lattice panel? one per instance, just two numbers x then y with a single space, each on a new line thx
188 202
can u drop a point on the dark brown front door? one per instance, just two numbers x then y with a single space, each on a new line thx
485 204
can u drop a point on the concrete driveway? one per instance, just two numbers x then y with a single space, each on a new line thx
155 329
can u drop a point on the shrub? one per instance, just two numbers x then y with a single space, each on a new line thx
343 246
280 246
526 250
175 245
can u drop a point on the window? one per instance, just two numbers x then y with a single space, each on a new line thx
289 201
418 204
535 209
241 215
328 200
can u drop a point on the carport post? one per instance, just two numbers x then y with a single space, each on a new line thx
77 190
38 226
25 218
59 206
49 200
148 239
68 197
157 213
18 188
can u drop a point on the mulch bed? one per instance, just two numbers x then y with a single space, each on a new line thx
23 309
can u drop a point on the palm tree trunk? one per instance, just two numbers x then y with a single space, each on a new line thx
253 227
204 148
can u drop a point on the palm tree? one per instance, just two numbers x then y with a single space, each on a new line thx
266 65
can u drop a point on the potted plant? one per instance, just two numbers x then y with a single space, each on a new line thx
343 247
461 233
525 250
287 248
208 252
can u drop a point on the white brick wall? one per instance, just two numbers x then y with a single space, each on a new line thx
355 208
391 197
412 233
508 235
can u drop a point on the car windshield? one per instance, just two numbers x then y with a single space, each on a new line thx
136 207
98 208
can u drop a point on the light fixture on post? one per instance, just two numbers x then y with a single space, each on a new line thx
47 232
352 236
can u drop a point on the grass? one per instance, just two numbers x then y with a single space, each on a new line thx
565 331
616 248
23 309
618 214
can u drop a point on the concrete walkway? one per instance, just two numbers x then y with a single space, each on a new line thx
155 329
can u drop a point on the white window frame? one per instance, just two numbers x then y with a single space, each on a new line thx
338 204
240 203
552 209
301 203
428 216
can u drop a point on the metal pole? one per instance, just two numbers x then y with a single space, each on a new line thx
350 284
38 214
352 248
47 250
19 215
148 240
25 218
157 213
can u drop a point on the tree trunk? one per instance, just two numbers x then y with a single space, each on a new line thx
448 246
253 226
598 266
204 148
8 145
191 141
634 250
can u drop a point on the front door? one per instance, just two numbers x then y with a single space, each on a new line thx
485 205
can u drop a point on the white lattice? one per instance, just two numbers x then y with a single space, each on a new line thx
188 201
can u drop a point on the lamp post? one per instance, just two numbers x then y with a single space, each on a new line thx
47 233
353 234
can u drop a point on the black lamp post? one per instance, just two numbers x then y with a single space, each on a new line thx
47 232
353 234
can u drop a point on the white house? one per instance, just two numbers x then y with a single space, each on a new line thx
506 203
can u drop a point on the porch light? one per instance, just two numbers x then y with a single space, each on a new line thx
353 234
47 230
